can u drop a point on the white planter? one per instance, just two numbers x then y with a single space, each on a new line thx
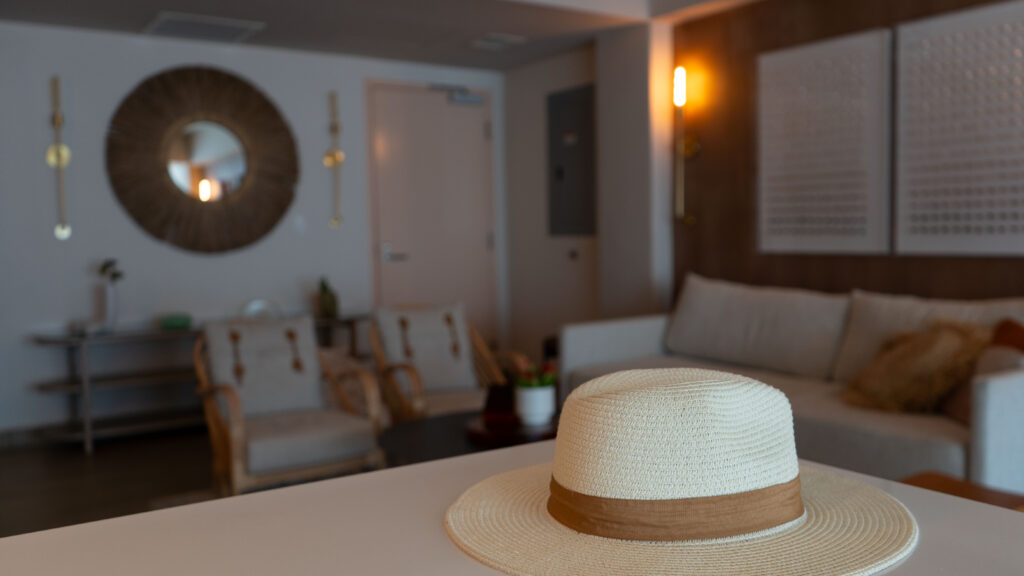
535 406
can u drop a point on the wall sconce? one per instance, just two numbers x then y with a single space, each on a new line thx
334 157
684 147
58 156
679 100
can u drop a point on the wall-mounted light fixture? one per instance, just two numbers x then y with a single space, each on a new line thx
679 100
58 155
686 146
334 157
679 87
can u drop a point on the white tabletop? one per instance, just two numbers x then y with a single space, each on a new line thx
390 522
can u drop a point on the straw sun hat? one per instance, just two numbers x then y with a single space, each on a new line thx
679 472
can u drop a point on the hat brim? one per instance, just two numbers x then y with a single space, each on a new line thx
848 528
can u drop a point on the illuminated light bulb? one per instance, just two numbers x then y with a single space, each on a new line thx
204 190
679 87
62 231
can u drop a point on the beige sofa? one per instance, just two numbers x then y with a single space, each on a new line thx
808 345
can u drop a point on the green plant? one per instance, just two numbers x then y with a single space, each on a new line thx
327 300
109 271
528 377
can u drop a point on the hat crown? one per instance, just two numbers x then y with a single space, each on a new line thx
673 434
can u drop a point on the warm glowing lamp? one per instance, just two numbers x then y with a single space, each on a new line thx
679 87
205 192
679 99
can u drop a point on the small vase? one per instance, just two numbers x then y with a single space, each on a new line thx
109 306
535 406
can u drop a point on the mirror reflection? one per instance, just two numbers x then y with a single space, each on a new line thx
206 161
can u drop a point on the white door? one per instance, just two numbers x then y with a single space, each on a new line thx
431 179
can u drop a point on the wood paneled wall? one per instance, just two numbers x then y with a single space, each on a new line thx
721 182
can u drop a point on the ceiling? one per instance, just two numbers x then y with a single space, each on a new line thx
438 31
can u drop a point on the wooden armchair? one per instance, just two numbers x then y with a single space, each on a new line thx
431 362
270 418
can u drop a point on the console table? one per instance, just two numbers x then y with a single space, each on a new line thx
352 525
81 381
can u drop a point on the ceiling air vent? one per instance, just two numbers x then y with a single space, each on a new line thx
200 27
497 41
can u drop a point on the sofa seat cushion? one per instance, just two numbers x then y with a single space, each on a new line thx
441 402
786 330
889 445
291 440
884 444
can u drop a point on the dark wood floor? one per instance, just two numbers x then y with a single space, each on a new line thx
50 486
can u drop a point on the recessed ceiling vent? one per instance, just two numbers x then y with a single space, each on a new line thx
497 41
201 27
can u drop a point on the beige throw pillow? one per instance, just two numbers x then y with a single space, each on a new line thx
915 372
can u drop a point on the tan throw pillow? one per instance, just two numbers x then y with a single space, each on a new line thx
915 372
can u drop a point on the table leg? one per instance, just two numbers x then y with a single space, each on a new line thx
86 399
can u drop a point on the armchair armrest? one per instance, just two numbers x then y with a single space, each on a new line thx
608 341
486 364
336 370
997 430
231 415
412 405
227 434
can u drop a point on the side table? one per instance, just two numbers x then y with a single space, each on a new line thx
956 487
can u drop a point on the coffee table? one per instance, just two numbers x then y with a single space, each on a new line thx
509 433
390 522
428 439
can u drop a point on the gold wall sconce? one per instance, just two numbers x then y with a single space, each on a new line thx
334 157
58 156
685 146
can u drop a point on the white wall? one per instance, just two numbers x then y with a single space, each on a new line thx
547 289
45 283
661 65
634 175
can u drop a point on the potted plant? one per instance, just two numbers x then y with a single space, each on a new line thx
110 274
326 310
535 396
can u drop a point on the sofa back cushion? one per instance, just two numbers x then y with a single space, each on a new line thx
787 330
875 318
272 364
435 340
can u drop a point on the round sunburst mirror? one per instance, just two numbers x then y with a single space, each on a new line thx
202 160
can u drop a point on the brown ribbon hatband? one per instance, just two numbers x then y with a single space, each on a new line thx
682 519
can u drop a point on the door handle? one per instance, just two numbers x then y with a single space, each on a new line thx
389 255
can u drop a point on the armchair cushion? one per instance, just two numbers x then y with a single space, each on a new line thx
272 364
302 439
434 340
